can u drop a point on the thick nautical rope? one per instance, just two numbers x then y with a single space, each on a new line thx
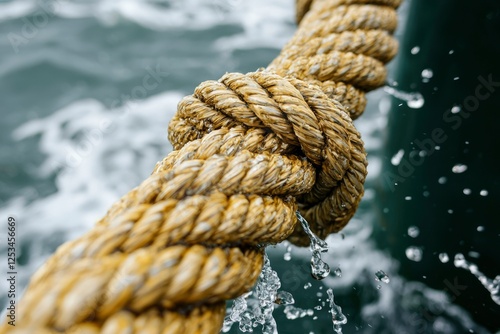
250 150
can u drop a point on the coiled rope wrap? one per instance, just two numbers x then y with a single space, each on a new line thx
250 149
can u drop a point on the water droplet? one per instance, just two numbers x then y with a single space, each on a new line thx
426 193
459 260
414 253
288 254
459 168
338 272
396 159
382 277
284 298
427 73
413 231
442 180
450 211
483 192
443 257
414 50
338 318
456 78
474 254
480 228
319 269
416 101
413 100
467 191
456 109
408 198
451 52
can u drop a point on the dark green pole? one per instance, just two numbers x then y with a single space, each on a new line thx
445 181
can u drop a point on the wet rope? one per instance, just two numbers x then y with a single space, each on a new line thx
250 150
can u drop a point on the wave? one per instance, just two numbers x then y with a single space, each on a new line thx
96 155
159 14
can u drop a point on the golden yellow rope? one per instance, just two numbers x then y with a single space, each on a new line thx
250 149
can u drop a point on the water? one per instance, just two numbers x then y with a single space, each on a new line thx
459 168
382 277
288 254
292 312
338 318
492 285
414 253
413 231
256 308
414 100
319 268
396 159
284 298
79 129
443 257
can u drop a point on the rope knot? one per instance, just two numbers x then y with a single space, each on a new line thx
294 118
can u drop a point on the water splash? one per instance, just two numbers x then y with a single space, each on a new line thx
338 318
442 180
319 269
414 100
256 307
292 312
492 285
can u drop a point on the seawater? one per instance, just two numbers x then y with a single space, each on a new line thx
87 90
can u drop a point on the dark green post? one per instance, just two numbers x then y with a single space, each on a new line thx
446 178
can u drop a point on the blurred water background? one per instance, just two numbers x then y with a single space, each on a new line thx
87 89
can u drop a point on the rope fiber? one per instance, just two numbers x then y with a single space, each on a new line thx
249 150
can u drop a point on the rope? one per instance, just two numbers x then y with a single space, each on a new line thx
250 149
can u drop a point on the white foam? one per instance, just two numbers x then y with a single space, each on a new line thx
89 181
